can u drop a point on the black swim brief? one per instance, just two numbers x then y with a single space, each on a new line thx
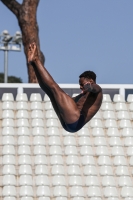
74 127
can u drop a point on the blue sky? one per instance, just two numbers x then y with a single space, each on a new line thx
79 35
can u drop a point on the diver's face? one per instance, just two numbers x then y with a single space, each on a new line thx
83 81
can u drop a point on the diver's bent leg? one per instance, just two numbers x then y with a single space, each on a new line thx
67 108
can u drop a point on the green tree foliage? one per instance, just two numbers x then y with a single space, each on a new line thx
11 79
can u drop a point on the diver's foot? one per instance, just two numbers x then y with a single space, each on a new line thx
32 53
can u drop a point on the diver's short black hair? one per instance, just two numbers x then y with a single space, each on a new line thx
89 75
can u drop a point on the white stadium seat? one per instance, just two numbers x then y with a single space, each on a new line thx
106 171
108 181
52 123
115 141
84 141
36 131
42 180
69 140
24 140
40 160
43 191
41 170
77 191
55 150
118 98
37 123
21 97
50 114
7 97
100 141
94 191
53 131
102 151
58 170
8 150
88 160
72 160
8 131
22 114
125 181
7 114
25 180
113 132
26 191
107 106
98 132
120 107
25 170
8 140
92 181
9 180
36 106
122 171
90 171
110 192
22 123
106 98
74 170
54 140
130 98
8 105
39 150
75 181
108 114
35 97
46 98
9 170
60 191
24 150
39 140
22 105
96 123
59 181
83 132
56 160
23 131
111 123
123 115
7 122
37 114
24 160
9 191
104 160
120 161
127 192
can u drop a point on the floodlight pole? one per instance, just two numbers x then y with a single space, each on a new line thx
9 43
5 64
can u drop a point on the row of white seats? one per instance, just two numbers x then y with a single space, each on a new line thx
26 115
22 105
72 181
65 198
43 160
48 106
73 170
67 141
8 122
72 150
37 97
50 114
88 170
55 131
75 191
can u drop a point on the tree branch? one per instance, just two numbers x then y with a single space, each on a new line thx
13 5
28 2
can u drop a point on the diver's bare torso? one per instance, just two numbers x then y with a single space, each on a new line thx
88 104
